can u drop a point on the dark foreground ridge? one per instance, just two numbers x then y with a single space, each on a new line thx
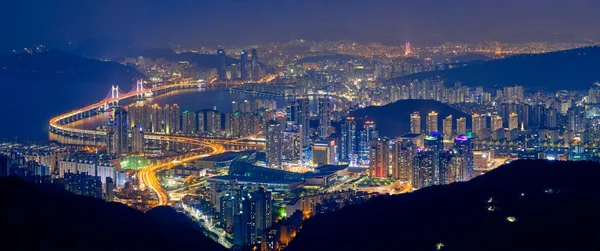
526 205
47 219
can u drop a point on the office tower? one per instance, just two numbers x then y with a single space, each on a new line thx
291 114
403 151
524 115
137 139
188 122
464 151
303 117
461 126
577 121
121 135
434 145
222 64
255 65
367 133
111 130
477 124
432 122
109 195
324 153
274 144
551 118
213 122
496 123
379 158
292 146
325 106
415 123
172 119
157 119
243 64
447 126
513 121
423 164
201 122
228 124
537 115
349 144
261 211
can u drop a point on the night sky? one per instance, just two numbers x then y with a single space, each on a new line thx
225 22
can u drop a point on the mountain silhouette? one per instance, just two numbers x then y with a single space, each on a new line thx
552 71
525 205
47 218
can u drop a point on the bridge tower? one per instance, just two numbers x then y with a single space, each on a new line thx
114 95
139 89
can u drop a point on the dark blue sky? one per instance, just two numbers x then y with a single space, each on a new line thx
210 22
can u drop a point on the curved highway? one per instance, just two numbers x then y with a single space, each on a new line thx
146 176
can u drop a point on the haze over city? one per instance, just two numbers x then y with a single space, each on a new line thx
209 22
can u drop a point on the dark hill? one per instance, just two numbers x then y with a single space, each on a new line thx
554 205
469 57
575 69
56 63
393 120
200 60
34 219
52 82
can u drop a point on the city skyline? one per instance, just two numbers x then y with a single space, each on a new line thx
291 125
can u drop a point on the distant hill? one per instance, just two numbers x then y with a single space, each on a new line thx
330 58
50 219
55 63
52 82
469 57
393 120
553 207
573 69
200 60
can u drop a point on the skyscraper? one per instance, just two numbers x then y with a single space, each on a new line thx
367 133
222 64
324 117
137 142
349 145
477 124
447 126
461 126
274 144
403 151
513 121
189 121
496 123
255 65
464 151
157 119
434 145
303 117
121 135
432 122
243 64
415 123
379 158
